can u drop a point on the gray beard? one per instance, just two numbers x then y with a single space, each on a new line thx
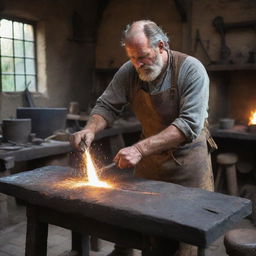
149 73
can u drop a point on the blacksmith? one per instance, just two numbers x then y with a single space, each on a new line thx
168 92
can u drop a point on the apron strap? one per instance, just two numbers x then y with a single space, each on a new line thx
176 59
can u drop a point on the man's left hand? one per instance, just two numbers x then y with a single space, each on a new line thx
128 157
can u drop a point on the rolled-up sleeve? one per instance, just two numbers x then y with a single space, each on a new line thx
114 99
193 88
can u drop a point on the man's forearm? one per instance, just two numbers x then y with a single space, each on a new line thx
96 123
170 137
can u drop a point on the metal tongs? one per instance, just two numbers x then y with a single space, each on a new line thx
83 145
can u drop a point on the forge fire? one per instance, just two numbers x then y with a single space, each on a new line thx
252 118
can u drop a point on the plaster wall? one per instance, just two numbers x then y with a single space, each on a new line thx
64 64
119 13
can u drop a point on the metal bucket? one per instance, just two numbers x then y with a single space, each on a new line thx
16 130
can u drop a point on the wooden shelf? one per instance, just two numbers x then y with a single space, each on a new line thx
231 67
238 132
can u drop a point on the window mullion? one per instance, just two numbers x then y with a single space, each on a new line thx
1 86
13 59
35 57
24 58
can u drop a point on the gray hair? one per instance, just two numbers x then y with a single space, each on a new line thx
153 32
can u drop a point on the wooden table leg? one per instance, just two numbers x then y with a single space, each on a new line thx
76 243
201 251
85 245
81 243
37 232
155 246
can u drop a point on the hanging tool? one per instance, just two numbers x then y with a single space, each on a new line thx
200 42
28 96
224 50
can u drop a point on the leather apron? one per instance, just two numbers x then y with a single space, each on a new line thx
188 165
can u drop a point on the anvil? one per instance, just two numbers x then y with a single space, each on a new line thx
130 213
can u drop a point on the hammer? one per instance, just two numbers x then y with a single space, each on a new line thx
107 167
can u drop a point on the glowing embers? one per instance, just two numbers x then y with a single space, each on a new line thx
252 118
92 176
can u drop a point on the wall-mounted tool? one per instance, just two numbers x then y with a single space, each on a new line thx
224 50
222 28
199 41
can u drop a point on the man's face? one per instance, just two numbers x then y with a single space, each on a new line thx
147 61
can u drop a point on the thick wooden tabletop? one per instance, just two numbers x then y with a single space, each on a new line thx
157 208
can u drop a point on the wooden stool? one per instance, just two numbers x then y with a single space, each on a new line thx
240 242
249 191
227 162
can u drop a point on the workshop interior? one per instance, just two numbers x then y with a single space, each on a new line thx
57 58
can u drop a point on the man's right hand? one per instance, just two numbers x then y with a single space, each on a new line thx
85 135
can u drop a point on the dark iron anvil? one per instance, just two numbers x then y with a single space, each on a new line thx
128 212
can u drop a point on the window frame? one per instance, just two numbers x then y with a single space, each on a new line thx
33 24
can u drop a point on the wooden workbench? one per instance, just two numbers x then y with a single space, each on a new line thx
54 147
31 152
130 213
